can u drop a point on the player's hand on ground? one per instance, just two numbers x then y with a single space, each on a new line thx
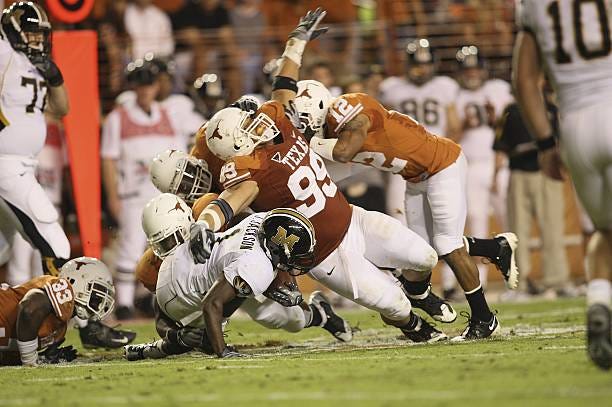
201 240
287 295
231 352
307 29
56 354
50 71
551 164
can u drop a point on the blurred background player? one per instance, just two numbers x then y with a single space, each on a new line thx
580 69
34 315
132 135
478 103
426 97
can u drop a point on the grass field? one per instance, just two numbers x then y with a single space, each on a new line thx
539 360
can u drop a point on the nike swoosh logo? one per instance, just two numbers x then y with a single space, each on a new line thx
331 271
492 324
122 340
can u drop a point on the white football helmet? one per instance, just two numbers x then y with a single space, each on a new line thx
93 288
166 220
181 174
232 132
312 101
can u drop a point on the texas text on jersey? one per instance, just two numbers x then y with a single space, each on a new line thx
289 175
53 328
395 142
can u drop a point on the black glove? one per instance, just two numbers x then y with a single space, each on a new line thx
287 295
54 354
201 241
49 70
307 28
231 352
247 104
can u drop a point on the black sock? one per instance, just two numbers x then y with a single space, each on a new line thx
478 305
482 247
414 321
316 316
415 287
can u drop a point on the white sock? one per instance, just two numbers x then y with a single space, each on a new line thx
599 292
124 291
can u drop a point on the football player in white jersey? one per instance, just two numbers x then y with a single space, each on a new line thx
31 84
478 102
239 267
570 40
426 97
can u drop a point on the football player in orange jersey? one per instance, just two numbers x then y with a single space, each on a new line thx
356 128
269 165
34 315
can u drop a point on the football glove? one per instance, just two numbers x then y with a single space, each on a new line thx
230 352
287 295
247 103
201 241
307 29
49 70
54 354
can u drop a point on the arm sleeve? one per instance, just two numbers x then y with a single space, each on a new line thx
111 137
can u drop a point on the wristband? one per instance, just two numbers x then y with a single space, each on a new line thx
294 50
226 209
547 143
284 82
28 352
324 147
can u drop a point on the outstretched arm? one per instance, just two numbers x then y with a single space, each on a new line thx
350 140
285 86
219 294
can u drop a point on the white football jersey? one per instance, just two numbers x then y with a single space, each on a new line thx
574 39
183 284
426 104
477 140
23 94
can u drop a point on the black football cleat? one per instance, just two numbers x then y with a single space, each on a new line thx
505 260
330 321
424 333
599 335
478 329
98 335
435 307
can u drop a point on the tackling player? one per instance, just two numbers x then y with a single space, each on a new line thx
360 130
570 40
34 315
269 165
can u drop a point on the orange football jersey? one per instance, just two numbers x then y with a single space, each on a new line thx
200 150
395 142
53 328
289 175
